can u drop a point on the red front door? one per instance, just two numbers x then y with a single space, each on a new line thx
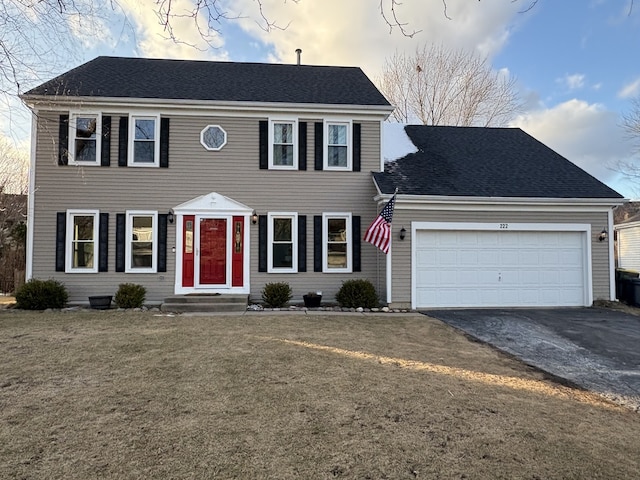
213 251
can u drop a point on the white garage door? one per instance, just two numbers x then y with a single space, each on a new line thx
456 268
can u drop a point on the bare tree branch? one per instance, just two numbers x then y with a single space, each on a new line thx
392 19
437 86
630 168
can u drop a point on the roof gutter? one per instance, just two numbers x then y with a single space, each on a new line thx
52 102
422 201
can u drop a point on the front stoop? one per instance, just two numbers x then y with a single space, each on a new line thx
205 303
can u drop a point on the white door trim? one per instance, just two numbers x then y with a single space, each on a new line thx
213 205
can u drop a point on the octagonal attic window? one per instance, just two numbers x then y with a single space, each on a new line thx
213 137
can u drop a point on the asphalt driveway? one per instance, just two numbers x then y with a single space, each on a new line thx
595 348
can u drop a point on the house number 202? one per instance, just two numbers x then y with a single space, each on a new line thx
504 226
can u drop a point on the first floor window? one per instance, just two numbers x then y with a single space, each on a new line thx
144 134
82 246
283 141
337 244
84 132
283 251
337 152
142 242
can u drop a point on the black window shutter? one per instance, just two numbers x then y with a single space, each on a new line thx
103 245
262 243
120 239
357 144
302 243
162 242
356 239
63 141
123 141
317 243
264 144
105 148
318 145
61 231
302 146
164 143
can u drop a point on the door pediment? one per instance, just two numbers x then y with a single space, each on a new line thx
211 203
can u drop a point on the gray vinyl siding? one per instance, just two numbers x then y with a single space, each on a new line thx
401 250
194 171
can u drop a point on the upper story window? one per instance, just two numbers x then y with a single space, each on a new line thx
144 148
213 137
142 242
283 151
337 145
82 241
337 244
282 253
85 130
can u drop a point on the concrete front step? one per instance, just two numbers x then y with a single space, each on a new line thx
205 303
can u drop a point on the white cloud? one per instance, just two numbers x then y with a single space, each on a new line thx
572 82
630 90
586 134
88 30
336 32
153 38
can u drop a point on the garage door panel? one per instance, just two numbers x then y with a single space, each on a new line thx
426 258
468 257
529 278
489 238
569 257
500 268
509 257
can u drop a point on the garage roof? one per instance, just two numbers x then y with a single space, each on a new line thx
485 162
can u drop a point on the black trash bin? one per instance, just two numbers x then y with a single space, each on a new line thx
624 285
634 292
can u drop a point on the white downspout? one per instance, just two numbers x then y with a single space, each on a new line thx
31 196
612 267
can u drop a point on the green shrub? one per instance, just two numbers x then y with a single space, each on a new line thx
276 294
41 294
130 295
357 293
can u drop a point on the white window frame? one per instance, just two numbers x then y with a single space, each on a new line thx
207 147
347 216
73 119
325 156
294 124
132 131
293 216
129 268
69 237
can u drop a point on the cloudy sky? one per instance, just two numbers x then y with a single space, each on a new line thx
575 62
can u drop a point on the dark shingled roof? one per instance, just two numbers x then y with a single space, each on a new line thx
486 162
215 81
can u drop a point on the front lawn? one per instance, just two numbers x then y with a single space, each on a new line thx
126 395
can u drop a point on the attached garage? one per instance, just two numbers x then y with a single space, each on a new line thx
491 217
500 265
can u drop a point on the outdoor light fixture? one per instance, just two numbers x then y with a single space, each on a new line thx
170 216
254 217
603 235
403 233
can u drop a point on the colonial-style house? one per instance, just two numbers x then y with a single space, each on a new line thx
201 178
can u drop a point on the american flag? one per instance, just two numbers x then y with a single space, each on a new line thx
379 232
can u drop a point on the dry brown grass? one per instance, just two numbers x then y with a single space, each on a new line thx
119 395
